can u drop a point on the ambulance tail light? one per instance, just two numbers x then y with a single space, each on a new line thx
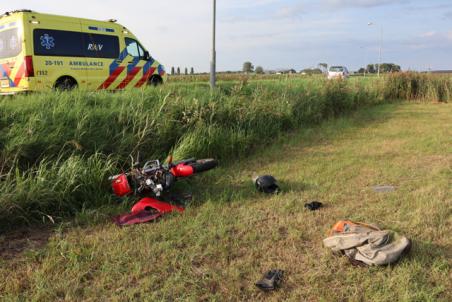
29 70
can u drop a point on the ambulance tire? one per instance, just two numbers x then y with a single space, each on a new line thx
65 84
155 81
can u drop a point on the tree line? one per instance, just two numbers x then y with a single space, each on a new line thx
248 67
177 71
384 68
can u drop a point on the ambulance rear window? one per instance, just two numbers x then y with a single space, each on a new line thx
62 43
49 42
10 43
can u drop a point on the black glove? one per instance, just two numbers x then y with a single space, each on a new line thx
315 205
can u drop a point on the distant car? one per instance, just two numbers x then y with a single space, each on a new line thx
338 72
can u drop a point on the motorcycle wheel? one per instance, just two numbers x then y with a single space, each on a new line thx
202 165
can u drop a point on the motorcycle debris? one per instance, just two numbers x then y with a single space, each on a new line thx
271 280
383 189
313 205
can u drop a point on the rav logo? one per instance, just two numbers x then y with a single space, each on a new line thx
95 47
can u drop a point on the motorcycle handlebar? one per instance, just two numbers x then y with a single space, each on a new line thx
149 170
113 177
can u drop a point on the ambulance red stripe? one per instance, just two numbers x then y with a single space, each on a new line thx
114 75
19 75
145 77
129 78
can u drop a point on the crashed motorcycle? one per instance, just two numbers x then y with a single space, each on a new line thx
152 180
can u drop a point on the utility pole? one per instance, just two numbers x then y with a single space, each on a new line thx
214 55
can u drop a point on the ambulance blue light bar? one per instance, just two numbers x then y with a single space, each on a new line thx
109 30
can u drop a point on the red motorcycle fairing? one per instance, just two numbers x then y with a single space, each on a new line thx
121 186
182 170
146 210
160 206
140 217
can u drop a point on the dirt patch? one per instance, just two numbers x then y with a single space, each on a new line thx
15 243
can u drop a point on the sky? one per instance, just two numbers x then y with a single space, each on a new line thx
277 34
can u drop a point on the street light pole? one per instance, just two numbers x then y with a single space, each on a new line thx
364 59
214 55
381 45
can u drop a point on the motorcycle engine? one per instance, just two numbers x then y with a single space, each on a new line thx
154 182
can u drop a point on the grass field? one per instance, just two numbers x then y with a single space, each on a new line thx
231 234
57 149
73 141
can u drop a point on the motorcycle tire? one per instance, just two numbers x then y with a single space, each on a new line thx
202 165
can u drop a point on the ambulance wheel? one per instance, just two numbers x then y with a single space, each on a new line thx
155 81
65 84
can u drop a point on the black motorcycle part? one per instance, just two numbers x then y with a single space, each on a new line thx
202 165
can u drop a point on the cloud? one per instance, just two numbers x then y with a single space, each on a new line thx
335 4
290 11
428 34
436 36
431 6
432 40
240 4
275 33
449 36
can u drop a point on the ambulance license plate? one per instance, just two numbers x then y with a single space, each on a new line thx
4 83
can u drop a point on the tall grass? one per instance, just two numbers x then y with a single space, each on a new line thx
58 148
418 86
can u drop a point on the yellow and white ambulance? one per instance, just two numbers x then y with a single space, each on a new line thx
40 52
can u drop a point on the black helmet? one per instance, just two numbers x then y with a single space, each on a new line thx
267 184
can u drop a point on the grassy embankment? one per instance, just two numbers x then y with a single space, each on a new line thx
58 149
232 234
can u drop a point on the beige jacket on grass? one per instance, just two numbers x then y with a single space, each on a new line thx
372 247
